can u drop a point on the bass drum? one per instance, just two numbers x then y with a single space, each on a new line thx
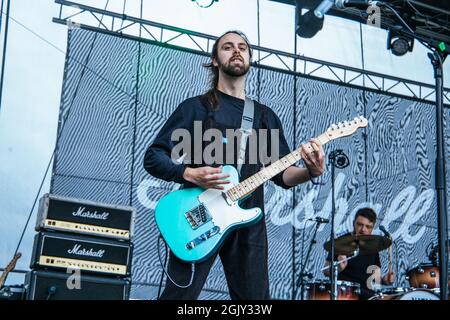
389 294
320 290
406 294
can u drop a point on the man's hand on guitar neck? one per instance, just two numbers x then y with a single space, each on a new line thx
314 159
206 177
313 156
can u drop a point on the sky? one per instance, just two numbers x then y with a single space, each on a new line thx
35 64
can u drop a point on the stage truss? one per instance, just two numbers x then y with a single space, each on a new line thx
109 22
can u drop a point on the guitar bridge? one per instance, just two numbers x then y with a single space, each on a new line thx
197 216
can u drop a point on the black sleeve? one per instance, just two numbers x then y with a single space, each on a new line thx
157 159
377 260
273 122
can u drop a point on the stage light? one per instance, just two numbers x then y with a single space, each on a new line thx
399 44
308 25
205 3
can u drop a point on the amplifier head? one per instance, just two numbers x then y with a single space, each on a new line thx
85 217
61 251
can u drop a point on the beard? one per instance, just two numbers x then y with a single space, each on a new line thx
234 70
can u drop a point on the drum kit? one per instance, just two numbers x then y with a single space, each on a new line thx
423 279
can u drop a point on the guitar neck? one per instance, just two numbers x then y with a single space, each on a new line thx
9 268
3 278
250 184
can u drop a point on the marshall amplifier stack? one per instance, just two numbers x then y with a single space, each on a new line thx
84 239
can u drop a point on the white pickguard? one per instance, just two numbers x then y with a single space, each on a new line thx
225 214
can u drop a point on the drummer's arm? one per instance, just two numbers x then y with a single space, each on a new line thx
342 265
326 272
389 277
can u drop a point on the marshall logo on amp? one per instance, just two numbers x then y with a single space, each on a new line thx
77 250
83 216
61 251
81 212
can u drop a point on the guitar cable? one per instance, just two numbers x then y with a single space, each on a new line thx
162 273
167 274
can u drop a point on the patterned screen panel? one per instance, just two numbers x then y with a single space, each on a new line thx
117 94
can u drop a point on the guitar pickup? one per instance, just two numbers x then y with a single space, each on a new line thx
197 216
202 238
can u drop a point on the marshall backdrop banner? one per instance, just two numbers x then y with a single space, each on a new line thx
117 93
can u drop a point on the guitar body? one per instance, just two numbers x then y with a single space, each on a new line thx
194 222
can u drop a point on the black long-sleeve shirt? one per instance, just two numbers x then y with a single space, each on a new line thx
158 162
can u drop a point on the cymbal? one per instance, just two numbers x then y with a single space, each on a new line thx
367 244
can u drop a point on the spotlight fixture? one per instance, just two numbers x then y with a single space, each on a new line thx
399 44
205 3
308 25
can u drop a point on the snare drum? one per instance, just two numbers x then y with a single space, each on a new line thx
321 290
424 276
419 294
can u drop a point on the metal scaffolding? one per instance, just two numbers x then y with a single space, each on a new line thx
122 25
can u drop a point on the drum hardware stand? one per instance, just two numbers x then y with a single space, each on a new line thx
304 274
338 159
336 263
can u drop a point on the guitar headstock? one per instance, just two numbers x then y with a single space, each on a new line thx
346 128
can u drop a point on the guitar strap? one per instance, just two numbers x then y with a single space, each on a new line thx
246 130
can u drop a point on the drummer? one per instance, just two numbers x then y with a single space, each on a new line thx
359 269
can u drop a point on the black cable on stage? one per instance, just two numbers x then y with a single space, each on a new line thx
294 143
365 136
162 271
136 102
167 272
1 17
5 42
258 75
63 123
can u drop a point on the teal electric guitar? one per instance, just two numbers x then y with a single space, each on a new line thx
194 221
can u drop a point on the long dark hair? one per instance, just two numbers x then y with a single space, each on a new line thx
211 96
